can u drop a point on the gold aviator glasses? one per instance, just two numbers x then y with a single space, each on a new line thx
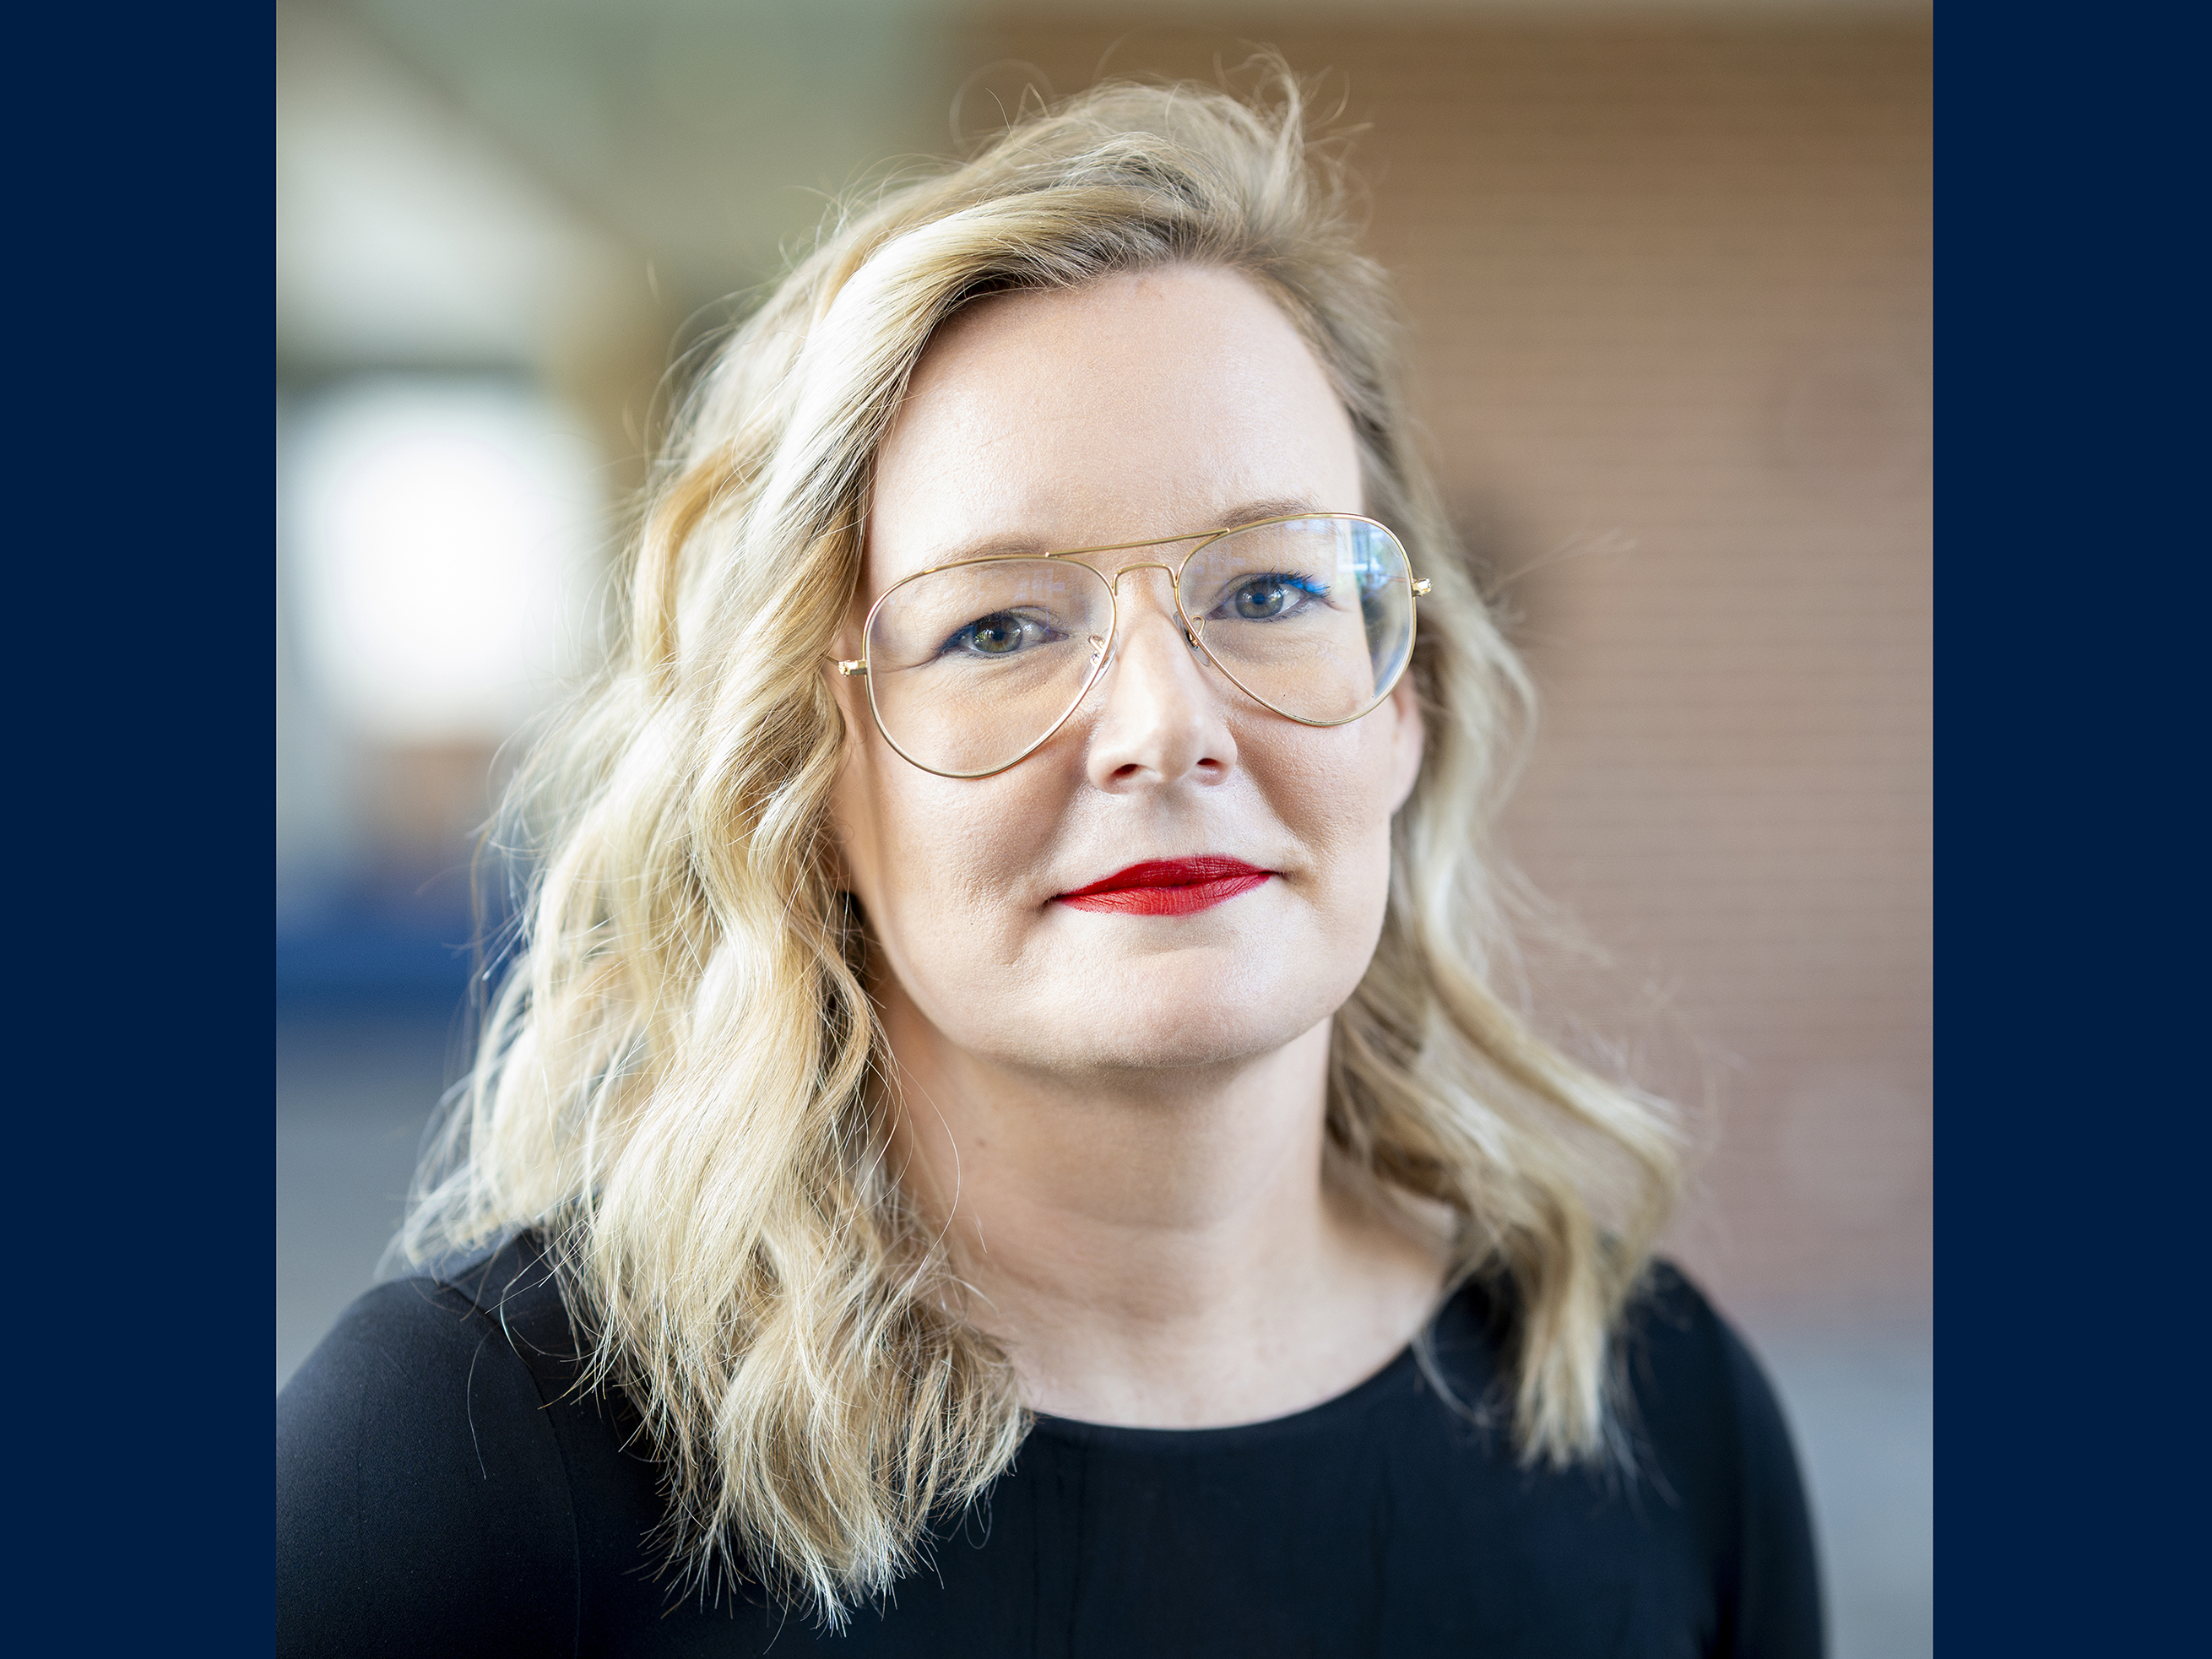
971 666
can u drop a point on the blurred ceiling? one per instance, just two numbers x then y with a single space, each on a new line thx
695 137
405 233
699 137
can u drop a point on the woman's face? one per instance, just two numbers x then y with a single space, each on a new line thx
1138 406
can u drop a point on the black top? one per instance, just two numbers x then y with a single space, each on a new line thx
442 1489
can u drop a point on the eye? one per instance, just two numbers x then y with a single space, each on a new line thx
1002 634
1263 599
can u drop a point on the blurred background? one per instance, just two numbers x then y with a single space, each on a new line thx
1668 271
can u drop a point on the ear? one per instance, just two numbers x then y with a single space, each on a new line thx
851 799
1408 739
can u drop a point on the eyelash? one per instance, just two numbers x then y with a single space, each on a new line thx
961 641
1311 586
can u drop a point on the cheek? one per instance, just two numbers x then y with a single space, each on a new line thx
1338 801
1337 790
935 860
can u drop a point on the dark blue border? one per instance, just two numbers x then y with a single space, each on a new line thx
2069 587
140 347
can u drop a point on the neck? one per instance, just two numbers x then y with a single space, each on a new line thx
1157 1247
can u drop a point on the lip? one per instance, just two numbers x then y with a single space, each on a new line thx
1167 887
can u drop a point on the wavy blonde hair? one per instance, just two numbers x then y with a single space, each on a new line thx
676 1083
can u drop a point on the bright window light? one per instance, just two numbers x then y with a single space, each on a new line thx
444 535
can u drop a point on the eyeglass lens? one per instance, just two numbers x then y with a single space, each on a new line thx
971 666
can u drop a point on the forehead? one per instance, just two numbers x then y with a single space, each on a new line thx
1136 407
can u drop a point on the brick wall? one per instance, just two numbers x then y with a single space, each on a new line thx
1670 291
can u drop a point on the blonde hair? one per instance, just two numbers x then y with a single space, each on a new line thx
675 1083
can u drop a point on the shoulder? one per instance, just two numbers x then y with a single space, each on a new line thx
1690 1373
1708 1427
1674 1340
421 1496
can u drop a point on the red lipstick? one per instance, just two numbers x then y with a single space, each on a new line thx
1167 887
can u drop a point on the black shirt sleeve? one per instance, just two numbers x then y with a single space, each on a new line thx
1779 1592
1713 1435
422 1502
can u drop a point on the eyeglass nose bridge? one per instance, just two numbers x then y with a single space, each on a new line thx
1173 574
1143 564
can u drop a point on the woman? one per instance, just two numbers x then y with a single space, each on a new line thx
1000 1141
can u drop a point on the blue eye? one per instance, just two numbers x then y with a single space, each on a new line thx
1002 634
1264 598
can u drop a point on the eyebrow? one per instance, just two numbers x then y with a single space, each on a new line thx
1014 545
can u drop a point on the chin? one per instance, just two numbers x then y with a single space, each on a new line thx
1187 1009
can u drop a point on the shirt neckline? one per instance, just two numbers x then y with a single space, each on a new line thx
1391 1380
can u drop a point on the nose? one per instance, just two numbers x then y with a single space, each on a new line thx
1162 718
